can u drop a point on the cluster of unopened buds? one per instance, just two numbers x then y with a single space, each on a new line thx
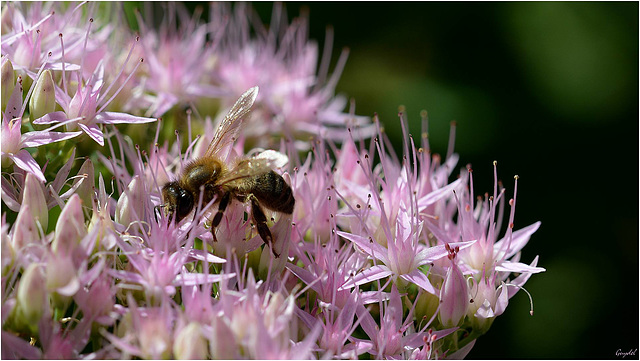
382 256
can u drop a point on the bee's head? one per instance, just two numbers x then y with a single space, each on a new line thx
177 201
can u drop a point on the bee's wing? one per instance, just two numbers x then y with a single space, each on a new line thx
247 168
227 132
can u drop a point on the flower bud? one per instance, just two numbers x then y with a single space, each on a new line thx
105 236
13 106
7 254
25 231
130 206
86 176
61 275
222 342
8 14
8 80
189 343
11 140
43 98
482 310
426 306
31 297
70 228
454 297
155 338
33 196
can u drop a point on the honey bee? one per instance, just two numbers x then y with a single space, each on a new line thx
247 180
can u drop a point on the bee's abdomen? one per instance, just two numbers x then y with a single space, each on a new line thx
274 193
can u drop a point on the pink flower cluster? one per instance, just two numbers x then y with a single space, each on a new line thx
383 256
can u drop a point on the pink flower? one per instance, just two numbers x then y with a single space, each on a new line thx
294 100
454 297
178 62
480 224
30 38
388 227
86 109
14 142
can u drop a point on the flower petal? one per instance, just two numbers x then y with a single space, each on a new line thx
61 176
305 276
192 279
121 118
519 239
9 195
50 118
35 139
518 267
438 194
367 245
421 280
201 255
430 254
370 274
94 132
25 161
521 280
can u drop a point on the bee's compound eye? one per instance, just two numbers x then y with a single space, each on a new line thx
185 204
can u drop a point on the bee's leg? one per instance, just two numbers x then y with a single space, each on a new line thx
222 206
261 223
157 212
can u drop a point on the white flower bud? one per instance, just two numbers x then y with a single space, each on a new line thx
70 228
155 339
31 298
130 206
33 196
43 98
189 343
8 81
61 275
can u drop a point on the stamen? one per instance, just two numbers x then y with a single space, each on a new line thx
424 117
101 98
36 46
121 86
64 76
452 139
470 170
323 70
337 71
84 49
33 86
525 290
189 125
512 203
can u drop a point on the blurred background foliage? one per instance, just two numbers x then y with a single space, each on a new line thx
550 91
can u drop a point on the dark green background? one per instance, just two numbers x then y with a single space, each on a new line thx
550 91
